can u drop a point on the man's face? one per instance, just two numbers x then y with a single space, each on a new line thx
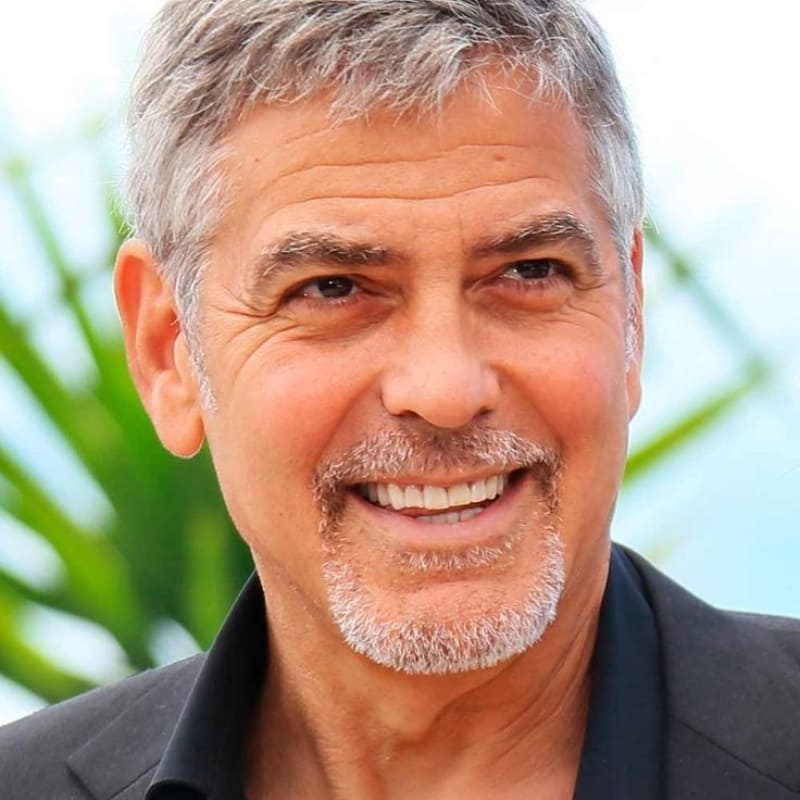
413 313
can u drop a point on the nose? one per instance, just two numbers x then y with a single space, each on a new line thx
439 373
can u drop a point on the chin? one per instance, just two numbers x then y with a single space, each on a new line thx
450 612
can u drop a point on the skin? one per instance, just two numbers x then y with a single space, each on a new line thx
437 339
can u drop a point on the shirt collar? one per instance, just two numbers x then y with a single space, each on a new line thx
204 757
623 748
623 751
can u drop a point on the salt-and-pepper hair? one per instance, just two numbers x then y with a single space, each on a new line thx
206 63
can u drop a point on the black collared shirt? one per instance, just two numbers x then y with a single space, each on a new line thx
623 750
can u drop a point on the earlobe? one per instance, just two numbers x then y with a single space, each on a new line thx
157 351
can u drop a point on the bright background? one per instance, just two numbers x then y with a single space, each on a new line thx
712 88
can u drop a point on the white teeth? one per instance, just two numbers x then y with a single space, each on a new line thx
434 498
478 491
459 495
413 497
397 497
450 517
383 495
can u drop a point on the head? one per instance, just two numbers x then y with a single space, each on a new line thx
342 210
206 65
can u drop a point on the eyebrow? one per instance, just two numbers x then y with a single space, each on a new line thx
300 248
555 228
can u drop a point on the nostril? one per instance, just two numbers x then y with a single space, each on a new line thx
446 397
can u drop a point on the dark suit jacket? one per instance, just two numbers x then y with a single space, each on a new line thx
733 715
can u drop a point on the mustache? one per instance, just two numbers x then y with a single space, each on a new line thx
392 453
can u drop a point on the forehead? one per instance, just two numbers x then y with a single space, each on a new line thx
490 152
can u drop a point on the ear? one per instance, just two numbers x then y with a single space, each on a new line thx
636 320
157 350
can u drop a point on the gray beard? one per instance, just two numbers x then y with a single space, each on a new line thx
425 646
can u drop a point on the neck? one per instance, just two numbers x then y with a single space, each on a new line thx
332 724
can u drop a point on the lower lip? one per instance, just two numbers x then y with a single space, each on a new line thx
494 522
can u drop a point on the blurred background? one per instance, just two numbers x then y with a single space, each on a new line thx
114 556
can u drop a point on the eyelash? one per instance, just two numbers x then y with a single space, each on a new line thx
560 272
297 293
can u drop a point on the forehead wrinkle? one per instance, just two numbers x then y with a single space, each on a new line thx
381 194
320 172
343 139
436 154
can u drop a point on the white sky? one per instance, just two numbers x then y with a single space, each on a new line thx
713 88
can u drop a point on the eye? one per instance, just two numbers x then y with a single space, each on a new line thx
532 269
329 288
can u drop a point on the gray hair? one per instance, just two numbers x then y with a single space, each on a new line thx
206 63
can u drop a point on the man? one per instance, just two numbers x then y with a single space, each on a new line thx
389 265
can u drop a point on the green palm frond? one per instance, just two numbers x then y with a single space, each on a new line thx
167 550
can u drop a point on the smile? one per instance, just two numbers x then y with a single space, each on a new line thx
457 503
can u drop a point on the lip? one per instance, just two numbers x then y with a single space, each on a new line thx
495 522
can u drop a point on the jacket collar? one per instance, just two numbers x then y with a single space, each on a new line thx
107 765
733 698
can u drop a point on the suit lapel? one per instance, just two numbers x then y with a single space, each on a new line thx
698 769
733 698
119 761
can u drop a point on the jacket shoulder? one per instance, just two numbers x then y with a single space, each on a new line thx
34 751
786 629
687 621
732 679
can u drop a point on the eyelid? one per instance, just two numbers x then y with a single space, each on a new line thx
299 293
300 289
522 261
560 268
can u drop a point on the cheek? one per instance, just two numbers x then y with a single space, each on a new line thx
591 407
279 418
582 401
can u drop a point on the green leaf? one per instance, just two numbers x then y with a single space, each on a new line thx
96 575
209 587
689 427
22 663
